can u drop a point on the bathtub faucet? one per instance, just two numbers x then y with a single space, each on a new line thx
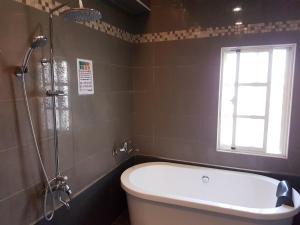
61 188
126 147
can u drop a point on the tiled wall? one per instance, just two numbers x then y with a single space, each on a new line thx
176 83
90 125
104 27
194 31
156 77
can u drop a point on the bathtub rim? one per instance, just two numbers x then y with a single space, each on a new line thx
282 212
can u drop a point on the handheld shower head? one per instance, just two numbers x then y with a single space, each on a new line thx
82 14
38 42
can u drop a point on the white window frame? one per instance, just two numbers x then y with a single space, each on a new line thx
287 100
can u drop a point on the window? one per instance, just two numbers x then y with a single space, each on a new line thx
255 99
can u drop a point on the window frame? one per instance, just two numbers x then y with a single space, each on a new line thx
287 100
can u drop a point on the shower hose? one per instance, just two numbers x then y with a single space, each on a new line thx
48 216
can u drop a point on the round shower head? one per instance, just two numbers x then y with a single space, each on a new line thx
38 42
82 14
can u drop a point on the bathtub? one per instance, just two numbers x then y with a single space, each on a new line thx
174 194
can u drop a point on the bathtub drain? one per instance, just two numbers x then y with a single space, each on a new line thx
205 179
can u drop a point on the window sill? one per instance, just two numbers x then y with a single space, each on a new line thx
262 154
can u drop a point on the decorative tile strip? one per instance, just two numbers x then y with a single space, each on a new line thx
198 32
191 33
47 5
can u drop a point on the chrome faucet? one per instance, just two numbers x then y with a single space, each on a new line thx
60 186
126 147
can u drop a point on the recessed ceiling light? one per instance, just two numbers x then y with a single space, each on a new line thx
237 9
238 23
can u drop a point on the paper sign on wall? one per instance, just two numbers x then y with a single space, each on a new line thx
85 77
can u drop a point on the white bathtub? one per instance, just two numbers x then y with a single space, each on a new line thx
174 194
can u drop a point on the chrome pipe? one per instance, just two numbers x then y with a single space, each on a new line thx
52 75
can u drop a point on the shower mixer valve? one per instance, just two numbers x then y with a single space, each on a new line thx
59 185
55 93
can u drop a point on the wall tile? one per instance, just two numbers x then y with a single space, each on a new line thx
20 167
142 78
185 95
143 124
94 125
143 55
22 208
162 89
145 144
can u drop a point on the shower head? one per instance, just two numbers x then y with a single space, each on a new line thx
82 14
39 42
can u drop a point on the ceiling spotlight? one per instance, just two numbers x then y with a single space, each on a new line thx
237 9
238 23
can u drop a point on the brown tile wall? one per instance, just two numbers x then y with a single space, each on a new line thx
164 93
175 100
96 122
169 15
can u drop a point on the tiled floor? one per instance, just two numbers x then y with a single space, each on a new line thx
123 219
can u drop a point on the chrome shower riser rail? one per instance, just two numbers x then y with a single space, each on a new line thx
53 97
51 60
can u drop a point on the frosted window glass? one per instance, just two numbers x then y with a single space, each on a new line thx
226 130
253 67
228 82
249 132
255 99
251 101
229 69
276 101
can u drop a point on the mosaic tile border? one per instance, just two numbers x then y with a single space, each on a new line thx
198 32
191 33
47 5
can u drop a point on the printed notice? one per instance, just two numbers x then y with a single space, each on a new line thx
85 77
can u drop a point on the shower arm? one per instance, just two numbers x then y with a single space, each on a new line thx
60 6
51 12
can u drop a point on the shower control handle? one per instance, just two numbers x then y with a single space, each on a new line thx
65 203
55 93
44 62
62 178
68 190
